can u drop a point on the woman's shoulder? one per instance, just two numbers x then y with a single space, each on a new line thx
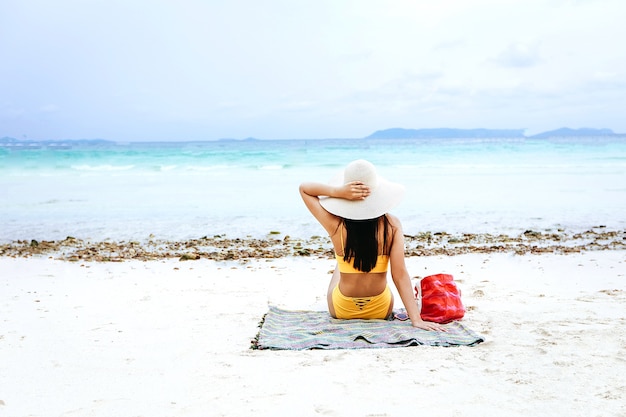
394 221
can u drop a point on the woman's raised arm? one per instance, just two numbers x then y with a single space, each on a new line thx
311 191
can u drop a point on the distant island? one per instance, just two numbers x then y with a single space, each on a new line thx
447 133
565 132
61 143
394 133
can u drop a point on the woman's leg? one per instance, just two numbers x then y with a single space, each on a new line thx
334 281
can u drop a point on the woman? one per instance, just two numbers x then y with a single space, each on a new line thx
353 210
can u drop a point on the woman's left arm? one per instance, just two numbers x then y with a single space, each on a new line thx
402 280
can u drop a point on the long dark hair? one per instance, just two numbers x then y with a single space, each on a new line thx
362 242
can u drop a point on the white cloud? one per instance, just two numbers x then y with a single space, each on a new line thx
518 55
49 108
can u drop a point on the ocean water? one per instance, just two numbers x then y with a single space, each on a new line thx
183 190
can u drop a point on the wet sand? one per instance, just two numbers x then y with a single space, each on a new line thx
220 248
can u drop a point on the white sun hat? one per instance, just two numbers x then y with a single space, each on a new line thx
384 195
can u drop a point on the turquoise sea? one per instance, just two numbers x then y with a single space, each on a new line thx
182 190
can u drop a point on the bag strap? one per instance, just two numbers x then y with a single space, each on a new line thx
418 296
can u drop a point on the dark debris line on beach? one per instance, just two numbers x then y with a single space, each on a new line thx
220 248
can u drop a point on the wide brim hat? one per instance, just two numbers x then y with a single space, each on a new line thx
384 195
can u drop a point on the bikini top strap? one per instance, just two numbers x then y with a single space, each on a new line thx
343 247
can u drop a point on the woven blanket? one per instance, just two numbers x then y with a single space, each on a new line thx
298 330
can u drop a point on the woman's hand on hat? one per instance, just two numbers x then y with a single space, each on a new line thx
355 190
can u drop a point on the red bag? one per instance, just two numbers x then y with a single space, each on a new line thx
440 299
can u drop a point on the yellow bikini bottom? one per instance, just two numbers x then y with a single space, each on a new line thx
373 307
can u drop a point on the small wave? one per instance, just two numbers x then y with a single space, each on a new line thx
271 167
103 167
210 167
165 168
59 201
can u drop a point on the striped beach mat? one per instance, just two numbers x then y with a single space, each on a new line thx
299 330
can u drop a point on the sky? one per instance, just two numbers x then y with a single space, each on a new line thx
156 70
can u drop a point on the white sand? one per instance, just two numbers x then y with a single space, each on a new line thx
172 339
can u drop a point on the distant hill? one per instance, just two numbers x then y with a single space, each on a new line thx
445 133
567 132
12 142
7 139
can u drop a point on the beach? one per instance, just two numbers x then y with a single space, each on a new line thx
173 337
134 278
163 253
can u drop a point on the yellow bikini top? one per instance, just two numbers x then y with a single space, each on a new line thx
348 267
